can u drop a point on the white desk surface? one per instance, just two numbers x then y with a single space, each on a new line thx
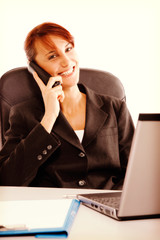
89 224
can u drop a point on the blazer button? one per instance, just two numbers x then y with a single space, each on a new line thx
49 147
81 183
44 152
39 157
81 154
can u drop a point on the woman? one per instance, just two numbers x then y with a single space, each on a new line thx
75 138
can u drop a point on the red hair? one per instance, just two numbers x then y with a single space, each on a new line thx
42 33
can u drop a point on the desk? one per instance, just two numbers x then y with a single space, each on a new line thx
89 224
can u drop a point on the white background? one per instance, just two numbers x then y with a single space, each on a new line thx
119 36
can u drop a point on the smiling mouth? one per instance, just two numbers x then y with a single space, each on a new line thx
67 73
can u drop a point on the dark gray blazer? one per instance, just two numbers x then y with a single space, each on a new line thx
33 157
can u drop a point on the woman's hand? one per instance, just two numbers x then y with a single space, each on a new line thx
51 97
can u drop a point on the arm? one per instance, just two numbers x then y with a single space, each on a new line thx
125 132
125 136
51 97
25 150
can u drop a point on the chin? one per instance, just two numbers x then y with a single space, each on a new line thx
72 79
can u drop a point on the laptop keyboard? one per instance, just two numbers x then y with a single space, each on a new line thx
110 201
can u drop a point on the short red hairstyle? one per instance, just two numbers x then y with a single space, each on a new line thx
42 32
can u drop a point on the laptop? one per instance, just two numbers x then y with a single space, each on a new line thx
140 196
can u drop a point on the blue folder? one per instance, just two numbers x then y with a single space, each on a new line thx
60 232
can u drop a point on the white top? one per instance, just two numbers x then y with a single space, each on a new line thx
80 134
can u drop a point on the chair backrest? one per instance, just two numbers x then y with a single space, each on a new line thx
18 85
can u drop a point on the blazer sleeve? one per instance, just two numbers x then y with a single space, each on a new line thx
25 150
125 135
125 128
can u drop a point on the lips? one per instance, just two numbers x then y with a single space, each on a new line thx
68 72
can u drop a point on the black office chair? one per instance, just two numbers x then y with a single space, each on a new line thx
18 85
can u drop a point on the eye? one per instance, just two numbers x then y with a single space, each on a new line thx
52 56
68 49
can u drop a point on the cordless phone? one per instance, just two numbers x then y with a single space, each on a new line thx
43 75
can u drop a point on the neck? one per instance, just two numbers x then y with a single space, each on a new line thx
74 107
72 97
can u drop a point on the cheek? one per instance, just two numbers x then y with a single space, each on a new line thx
74 56
52 69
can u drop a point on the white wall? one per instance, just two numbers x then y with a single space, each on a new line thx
119 36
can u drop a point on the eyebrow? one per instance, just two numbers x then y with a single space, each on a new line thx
54 51
68 44
50 52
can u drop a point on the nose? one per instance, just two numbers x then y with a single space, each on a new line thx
65 60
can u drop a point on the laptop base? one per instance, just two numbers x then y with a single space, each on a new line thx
91 201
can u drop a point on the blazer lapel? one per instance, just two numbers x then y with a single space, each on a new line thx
64 129
95 117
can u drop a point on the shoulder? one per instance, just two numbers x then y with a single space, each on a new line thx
102 99
112 106
27 108
32 103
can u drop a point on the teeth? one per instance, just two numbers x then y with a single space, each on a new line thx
67 73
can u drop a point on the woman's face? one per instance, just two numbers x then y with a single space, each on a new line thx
61 60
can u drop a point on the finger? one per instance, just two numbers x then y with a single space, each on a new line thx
59 93
39 81
61 97
57 90
52 80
